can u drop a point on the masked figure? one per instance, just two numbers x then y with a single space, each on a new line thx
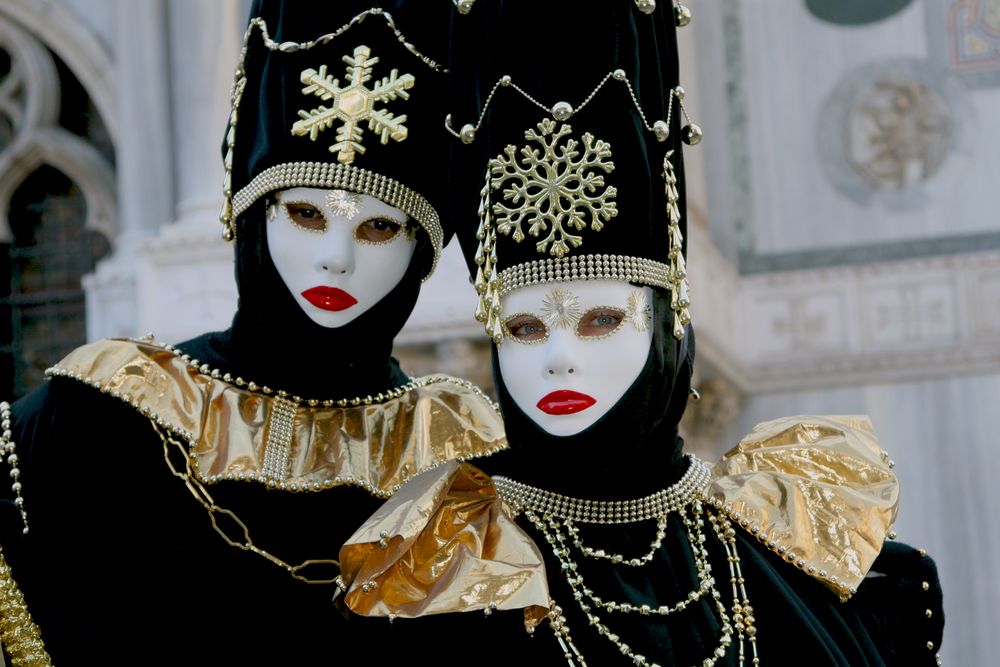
615 546
178 501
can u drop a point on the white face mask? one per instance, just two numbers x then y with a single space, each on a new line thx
572 349
338 252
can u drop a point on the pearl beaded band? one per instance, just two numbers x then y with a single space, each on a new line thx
585 267
522 497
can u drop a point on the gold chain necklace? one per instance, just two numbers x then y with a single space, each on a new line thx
215 512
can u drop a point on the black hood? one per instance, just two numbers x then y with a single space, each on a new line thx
632 450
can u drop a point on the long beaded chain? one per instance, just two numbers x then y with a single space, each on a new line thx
556 516
743 617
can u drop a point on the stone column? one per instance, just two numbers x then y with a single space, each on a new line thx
185 276
143 155
144 166
205 40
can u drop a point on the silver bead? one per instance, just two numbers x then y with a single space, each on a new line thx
562 110
680 92
467 134
682 16
505 80
464 6
661 130
619 75
646 6
692 134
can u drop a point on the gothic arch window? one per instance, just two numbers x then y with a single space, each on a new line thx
57 207
41 296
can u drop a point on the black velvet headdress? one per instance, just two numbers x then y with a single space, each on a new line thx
340 95
567 127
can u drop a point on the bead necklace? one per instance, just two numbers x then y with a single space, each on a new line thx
522 497
8 449
545 509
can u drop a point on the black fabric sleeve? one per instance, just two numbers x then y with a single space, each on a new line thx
900 602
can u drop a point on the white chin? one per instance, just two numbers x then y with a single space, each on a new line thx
562 425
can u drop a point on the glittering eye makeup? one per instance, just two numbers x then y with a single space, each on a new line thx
526 328
378 230
561 309
305 216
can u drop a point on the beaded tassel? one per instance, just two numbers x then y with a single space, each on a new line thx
679 299
226 217
486 283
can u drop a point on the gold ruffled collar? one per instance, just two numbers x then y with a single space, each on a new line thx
817 490
236 430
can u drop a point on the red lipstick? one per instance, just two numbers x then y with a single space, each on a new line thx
329 298
565 402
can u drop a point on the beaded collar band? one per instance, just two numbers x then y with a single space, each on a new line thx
523 498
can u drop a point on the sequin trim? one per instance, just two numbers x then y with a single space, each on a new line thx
18 633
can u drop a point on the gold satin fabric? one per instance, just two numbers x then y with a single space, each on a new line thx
818 486
817 490
378 446
443 543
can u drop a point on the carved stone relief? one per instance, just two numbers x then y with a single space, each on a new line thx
888 129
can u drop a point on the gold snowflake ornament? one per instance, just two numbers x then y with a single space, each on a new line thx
561 309
353 105
555 188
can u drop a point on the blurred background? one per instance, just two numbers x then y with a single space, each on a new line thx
844 228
